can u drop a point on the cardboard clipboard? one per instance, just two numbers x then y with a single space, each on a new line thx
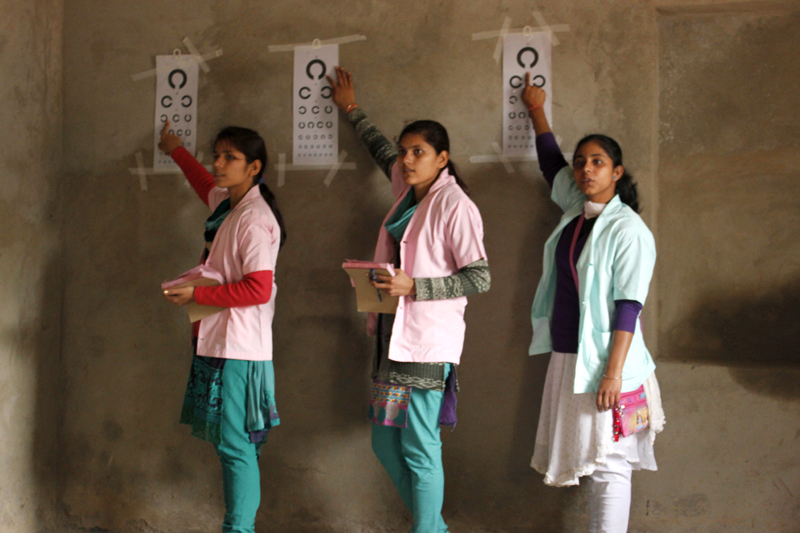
368 298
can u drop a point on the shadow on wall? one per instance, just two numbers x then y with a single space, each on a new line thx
744 332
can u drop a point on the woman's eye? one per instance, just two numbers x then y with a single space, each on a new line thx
229 157
417 152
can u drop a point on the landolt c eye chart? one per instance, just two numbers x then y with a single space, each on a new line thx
316 120
524 53
176 101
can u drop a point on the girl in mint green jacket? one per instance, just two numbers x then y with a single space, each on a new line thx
596 274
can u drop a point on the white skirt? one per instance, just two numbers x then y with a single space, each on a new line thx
573 437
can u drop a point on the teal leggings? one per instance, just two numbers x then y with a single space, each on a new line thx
239 457
413 459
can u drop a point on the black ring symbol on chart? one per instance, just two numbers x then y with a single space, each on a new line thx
513 100
310 125
176 118
172 83
328 109
320 63
168 102
302 110
164 118
179 133
329 124
188 132
518 83
308 94
187 118
315 109
319 124
539 76
535 57
512 115
301 125
322 91
183 100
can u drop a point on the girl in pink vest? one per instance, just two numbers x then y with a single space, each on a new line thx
230 398
433 235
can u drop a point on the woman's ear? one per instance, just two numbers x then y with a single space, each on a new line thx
619 170
255 168
443 158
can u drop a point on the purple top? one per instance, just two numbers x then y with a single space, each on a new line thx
566 308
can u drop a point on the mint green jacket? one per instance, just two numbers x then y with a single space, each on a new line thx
616 264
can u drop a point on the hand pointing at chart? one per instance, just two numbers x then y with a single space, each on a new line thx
344 93
169 141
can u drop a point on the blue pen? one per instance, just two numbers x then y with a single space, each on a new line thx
375 279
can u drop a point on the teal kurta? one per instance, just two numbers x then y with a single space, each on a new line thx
617 263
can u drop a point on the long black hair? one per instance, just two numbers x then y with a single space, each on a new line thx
626 187
250 143
436 135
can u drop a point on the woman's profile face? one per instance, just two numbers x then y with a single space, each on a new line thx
418 161
595 173
230 166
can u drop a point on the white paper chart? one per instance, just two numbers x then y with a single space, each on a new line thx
521 54
176 101
316 119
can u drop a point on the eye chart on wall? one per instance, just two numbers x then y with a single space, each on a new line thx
316 120
176 102
524 53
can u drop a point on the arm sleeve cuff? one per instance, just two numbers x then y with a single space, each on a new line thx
626 314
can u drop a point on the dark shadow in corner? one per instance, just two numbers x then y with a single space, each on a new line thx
758 337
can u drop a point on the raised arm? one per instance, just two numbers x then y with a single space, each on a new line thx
344 96
551 160
201 180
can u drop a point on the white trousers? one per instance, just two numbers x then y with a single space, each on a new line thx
610 496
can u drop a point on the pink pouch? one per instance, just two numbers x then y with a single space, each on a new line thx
631 415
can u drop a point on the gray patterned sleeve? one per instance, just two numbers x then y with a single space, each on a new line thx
380 148
472 279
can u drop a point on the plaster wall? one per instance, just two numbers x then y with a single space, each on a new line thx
728 458
30 287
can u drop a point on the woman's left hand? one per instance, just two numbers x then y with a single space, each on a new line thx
608 394
398 285
180 296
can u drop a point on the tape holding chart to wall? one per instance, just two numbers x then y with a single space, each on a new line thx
315 135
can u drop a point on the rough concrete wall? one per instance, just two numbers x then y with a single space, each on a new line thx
129 466
729 191
30 289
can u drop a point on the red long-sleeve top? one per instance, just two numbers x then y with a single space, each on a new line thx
256 287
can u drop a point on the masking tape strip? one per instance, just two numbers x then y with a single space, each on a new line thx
335 168
339 40
294 168
140 171
503 158
150 171
196 54
483 35
552 29
152 72
281 170
498 49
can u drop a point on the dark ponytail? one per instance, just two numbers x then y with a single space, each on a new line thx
625 186
251 144
436 135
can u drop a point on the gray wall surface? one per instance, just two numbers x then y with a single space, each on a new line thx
99 378
30 288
